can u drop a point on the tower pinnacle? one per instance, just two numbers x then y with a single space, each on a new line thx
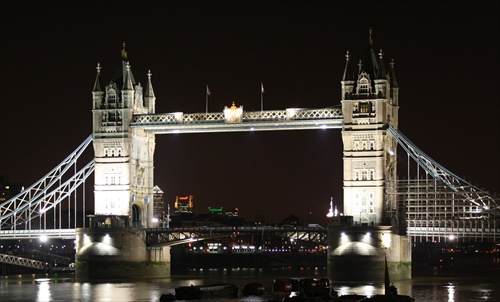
124 52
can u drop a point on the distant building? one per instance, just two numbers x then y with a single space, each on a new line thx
292 220
215 210
183 204
233 212
220 211
8 190
158 203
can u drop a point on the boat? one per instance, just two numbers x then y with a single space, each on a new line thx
390 295
213 291
167 297
319 290
391 292
253 289
303 289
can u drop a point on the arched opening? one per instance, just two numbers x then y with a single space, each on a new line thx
136 216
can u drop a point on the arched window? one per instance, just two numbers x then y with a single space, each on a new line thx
364 84
111 96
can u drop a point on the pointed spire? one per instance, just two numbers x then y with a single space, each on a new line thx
381 71
370 61
97 84
370 38
124 53
348 74
149 86
394 83
127 81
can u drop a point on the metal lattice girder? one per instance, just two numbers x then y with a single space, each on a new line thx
43 202
43 233
168 237
14 260
23 200
471 193
289 119
52 257
248 116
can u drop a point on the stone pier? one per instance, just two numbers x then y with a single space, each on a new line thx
118 253
358 253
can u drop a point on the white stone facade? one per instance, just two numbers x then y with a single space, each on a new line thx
369 105
124 156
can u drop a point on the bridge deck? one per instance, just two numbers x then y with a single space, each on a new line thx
289 119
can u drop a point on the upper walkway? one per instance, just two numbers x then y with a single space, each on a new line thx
233 119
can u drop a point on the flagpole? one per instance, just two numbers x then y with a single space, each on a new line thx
261 96
206 101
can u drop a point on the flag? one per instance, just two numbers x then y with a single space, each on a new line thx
261 87
208 91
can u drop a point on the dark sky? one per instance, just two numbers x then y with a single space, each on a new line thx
447 67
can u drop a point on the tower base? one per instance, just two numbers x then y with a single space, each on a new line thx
358 253
118 253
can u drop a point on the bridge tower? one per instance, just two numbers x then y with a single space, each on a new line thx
123 155
359 242
369 106
114 245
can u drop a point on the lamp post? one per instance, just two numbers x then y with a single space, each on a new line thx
168 216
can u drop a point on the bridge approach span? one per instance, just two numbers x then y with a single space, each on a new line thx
157 237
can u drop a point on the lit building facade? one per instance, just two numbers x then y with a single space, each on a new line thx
368 237
158 203
369 105
123 178
183 204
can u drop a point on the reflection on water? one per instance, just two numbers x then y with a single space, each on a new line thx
471 282
44 291
451 292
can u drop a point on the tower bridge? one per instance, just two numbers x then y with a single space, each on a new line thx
385 213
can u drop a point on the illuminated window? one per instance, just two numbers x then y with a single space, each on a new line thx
111 97
364 107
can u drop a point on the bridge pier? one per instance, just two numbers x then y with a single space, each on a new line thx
118 253
358 253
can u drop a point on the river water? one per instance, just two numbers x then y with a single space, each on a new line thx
464 280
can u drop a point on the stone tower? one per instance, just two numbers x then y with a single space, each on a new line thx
369 236
114 245
369 106
123 155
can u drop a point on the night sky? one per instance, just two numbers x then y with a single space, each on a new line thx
447 67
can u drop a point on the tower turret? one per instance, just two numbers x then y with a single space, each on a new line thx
97 92
149 96
348 78
394 85
381 80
